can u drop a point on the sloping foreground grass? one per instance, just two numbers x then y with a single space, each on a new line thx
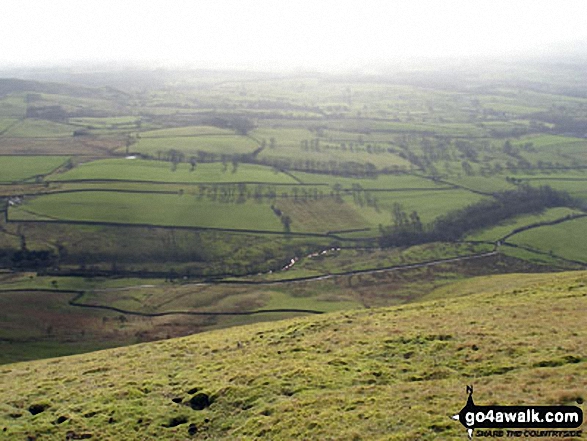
395 373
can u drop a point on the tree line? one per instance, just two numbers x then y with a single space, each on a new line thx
407 229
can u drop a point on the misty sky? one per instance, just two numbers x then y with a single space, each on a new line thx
264 34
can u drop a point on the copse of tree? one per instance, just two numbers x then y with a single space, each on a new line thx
405 229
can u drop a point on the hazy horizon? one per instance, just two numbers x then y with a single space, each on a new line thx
266 35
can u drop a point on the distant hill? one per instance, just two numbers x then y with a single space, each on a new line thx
395 373
14 85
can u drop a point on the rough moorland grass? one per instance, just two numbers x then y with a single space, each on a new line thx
153 209
160 171
332 260
396 373
18 168
567 239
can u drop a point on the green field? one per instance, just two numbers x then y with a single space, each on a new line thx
12 106
106 123
550 141
483 184
37 128
567 240
153 209
159 171
5 123
284 136
496 233
20 168
186 131
428 204
577 187
331 152
189 146
382 182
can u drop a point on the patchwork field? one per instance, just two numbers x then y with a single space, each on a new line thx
246 192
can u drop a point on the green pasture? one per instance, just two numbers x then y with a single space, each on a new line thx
483 184
567 239
538 258
549 141
102 105
284 136
321 216
497 232
347 213
333 152
107 122
20 168
39 128
154 209
189 146
513 105
312 216
12 106
454 129
576 188
5 123
186 131
381 181
160 171
428 204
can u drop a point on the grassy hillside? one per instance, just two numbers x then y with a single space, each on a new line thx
397 373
